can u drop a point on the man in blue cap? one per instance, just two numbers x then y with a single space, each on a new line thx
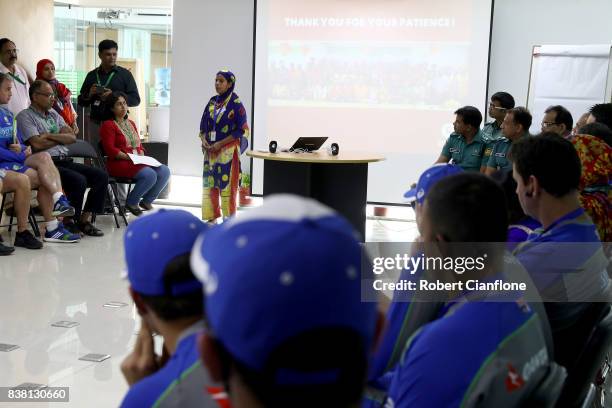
169 299
287 325
403 316
484 347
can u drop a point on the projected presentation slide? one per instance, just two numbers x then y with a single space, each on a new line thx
375 76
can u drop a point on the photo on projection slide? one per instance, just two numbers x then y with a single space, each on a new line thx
370 78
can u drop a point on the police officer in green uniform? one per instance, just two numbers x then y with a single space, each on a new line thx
500 103
515 126
465 146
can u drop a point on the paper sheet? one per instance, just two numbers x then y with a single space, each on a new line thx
149 161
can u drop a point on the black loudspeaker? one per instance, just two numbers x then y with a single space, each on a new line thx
273 145
334 149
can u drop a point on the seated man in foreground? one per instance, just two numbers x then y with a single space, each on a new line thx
169 299
564 257
286 329
468 347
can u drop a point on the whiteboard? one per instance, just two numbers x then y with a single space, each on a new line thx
574 76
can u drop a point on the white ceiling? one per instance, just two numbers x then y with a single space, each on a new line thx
120 3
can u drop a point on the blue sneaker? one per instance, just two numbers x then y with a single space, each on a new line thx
62 208
60 234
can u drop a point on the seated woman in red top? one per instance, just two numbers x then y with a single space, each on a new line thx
119 137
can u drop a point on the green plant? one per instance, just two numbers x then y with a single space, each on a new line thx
245 180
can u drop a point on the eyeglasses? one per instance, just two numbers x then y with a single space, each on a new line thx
499 108
13 51
48 95
548 124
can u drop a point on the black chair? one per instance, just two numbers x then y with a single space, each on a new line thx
114 181
579 388
84 149
31 216
547 393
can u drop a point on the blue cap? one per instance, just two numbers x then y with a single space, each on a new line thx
430 177
151 242
280 270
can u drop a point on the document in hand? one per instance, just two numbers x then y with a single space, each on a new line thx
149 161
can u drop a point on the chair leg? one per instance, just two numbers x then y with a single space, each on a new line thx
118 204
10 227
110 198
2 206
33 223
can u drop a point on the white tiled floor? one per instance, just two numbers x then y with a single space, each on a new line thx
73 282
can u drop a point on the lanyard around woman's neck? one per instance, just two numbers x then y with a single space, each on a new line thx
128 132
218 109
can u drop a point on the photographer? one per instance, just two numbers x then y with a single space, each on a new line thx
100 83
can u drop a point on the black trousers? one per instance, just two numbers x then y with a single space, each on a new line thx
76 178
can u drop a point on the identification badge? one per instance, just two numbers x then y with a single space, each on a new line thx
97 103
454 150
213 136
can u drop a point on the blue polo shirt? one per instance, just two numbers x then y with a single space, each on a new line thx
10 160
567 264
180 383
403 318
445 360
569 250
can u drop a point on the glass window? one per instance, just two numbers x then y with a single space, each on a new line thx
145 47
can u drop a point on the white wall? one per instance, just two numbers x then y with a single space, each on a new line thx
198 52
29 23
518 25
207 36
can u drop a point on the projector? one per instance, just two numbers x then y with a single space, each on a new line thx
112 14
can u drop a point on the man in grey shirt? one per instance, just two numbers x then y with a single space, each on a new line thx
45 130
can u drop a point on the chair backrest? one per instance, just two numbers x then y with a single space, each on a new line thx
101 150
82 148
583 374
546 394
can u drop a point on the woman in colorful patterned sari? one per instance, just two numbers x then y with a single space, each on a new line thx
595 193
223 131
45 70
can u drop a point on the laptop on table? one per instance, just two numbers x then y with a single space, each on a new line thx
307 144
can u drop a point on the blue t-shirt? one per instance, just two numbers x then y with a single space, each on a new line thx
567 264
8 132
446 357
521 231
567 248
403 318
180 382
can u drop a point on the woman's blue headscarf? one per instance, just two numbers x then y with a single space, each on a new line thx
229 77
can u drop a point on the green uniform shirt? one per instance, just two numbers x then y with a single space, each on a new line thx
491 134
470 156
499 157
